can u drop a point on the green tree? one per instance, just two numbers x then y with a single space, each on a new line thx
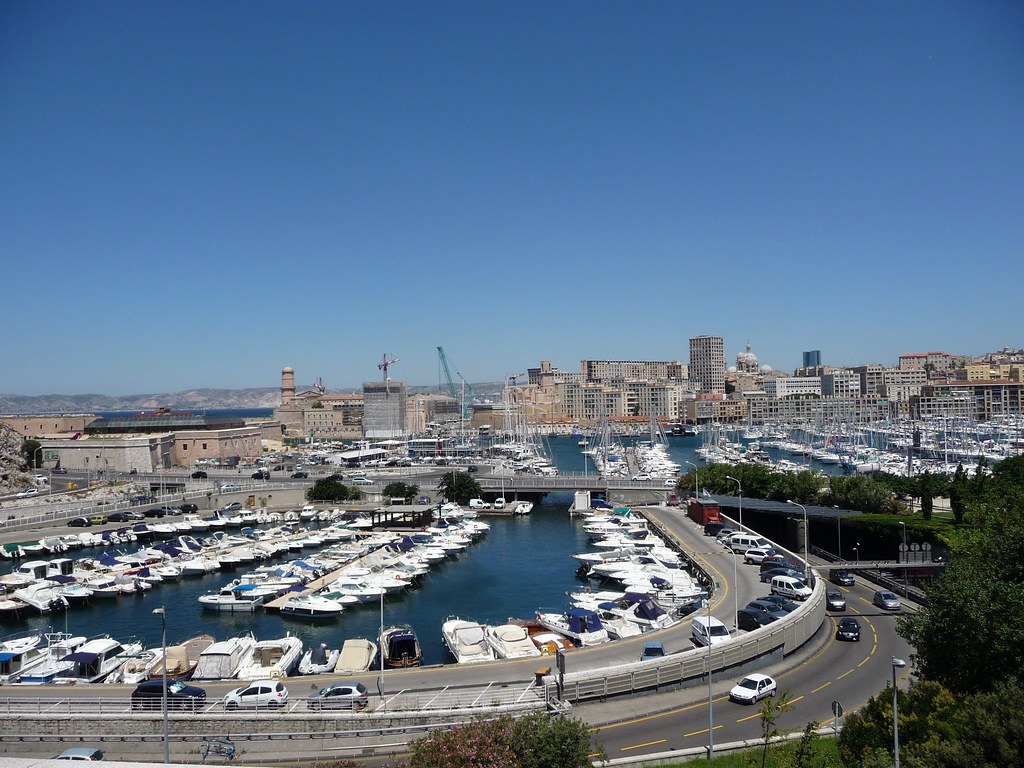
771 710
988 733
30 451
332 488
958 494
459 487
398 490
926 489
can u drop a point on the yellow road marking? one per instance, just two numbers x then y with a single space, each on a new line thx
748 717
847 672
822 687
641 746
698 733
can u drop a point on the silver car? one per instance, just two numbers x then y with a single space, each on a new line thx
886 600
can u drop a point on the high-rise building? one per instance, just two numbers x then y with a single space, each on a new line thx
812 359
384 409
707 363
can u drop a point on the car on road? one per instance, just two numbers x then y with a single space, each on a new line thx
886 600
181 697
652 650
199 475
771 573
261 474
259 694
86 754
643 477
361 481
755 555
749 619
841 576
28 492
753 688
835 600
300 475
778 560
848 629
712 528
79 522
59 471
229 487
340 696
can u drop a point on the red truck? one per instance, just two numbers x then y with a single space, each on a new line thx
704 511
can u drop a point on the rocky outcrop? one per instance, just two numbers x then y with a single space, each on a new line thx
14 474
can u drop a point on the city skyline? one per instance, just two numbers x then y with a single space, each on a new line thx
199 195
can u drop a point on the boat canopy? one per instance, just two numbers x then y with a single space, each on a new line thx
81 657
583 620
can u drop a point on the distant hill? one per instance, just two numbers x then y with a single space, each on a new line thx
193 399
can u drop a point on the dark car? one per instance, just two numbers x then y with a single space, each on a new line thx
119 517
181 697
472 468
652 650
835 600
780 561
749 619
783 602
712 528
188 508
199 475
59 471
339 696
261 474
767 576
768 607
841 576
848 629
79 522
154 512
300 475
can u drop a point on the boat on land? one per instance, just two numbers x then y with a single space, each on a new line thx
357 654
466 641
399 647
181 658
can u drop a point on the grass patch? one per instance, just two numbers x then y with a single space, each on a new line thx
824 753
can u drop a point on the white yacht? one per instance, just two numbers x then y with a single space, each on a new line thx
222 660
313 607
510 641
272 659
356 655
241 598
582 625
95 659
319 660
465 639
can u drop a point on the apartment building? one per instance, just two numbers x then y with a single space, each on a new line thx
707 363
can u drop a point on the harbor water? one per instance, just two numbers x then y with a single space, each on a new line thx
523 564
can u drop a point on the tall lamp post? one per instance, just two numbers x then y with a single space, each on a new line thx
696 492
896 664
729 477
807 548
905 559
735 558
163 644
711 710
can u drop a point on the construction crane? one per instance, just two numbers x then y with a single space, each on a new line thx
383 364
514 378
452 390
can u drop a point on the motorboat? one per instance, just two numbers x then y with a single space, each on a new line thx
399 646
357 654
222 660
58 646
510 641
357 588
581 625
618 627
641 610
272 659
466 641
548 643
95 659
42 596
312 607
137 668
181 658
239 598
20 654
319 660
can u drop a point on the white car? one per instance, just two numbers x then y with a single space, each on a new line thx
258 694
643 476
757 554
753 688
28 492
361 481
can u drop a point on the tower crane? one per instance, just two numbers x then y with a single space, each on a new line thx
452 391
383 364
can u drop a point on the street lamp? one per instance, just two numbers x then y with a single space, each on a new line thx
807 549
711 711
728 477
856 551
896 664
839 533
163 643
696 493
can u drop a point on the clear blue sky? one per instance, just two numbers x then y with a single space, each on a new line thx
197 194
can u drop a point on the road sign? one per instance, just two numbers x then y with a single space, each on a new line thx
837 709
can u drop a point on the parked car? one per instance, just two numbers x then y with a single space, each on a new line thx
712 528
154 512
199 475
835 600
88 754
783 602
232 506
79 522
339 696
771 573
257 694
749 619
848 629
757 554
770 608
118 517
149 695
98 519
724 535
841 576
27 492
229 487
886 600
188 508
778 560
753 688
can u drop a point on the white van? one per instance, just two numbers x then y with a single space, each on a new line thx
791 587
741 542
709 630
478 504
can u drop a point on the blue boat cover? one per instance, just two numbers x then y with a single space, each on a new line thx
7 656
583 620
84 658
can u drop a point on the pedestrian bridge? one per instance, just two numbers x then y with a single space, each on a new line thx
567 483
